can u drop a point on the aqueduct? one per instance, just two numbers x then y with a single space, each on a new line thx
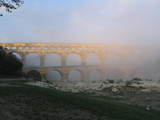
63 49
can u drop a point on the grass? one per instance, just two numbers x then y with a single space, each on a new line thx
101 107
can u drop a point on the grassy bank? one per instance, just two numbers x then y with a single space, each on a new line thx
96 105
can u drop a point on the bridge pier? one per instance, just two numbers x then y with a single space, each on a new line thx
42 60
43 77
83 59
86 76
63 59
102 57
65 77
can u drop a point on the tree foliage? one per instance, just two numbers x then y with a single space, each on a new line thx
9 63
10 5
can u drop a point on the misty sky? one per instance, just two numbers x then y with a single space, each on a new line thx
109 21
135 23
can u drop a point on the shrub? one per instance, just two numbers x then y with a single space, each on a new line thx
9 63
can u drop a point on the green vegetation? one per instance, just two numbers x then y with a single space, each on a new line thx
99 106
10 65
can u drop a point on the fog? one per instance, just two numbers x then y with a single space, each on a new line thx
122 61
132 61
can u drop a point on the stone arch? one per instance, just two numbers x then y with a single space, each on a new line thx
75 76
95 75
52 59
34 74
54 75
32 60
92 59
73 59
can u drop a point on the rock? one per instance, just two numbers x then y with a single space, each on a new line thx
114 90
76 87
148 107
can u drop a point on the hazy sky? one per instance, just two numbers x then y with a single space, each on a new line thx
132 22
109 21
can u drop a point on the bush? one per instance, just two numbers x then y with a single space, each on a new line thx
9 63
110 81
128 83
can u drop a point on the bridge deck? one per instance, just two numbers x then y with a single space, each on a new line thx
66 67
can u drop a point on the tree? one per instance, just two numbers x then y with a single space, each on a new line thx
10 5
9 63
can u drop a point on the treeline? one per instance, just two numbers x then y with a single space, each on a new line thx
10 65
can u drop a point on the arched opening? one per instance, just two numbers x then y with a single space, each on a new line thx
32 60
92 59
52 60
34 74
75 76
95 75
53 76
73 59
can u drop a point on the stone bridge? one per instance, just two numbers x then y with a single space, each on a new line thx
63 50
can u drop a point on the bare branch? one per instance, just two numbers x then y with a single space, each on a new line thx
10 5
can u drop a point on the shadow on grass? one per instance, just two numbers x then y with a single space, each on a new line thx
96 105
